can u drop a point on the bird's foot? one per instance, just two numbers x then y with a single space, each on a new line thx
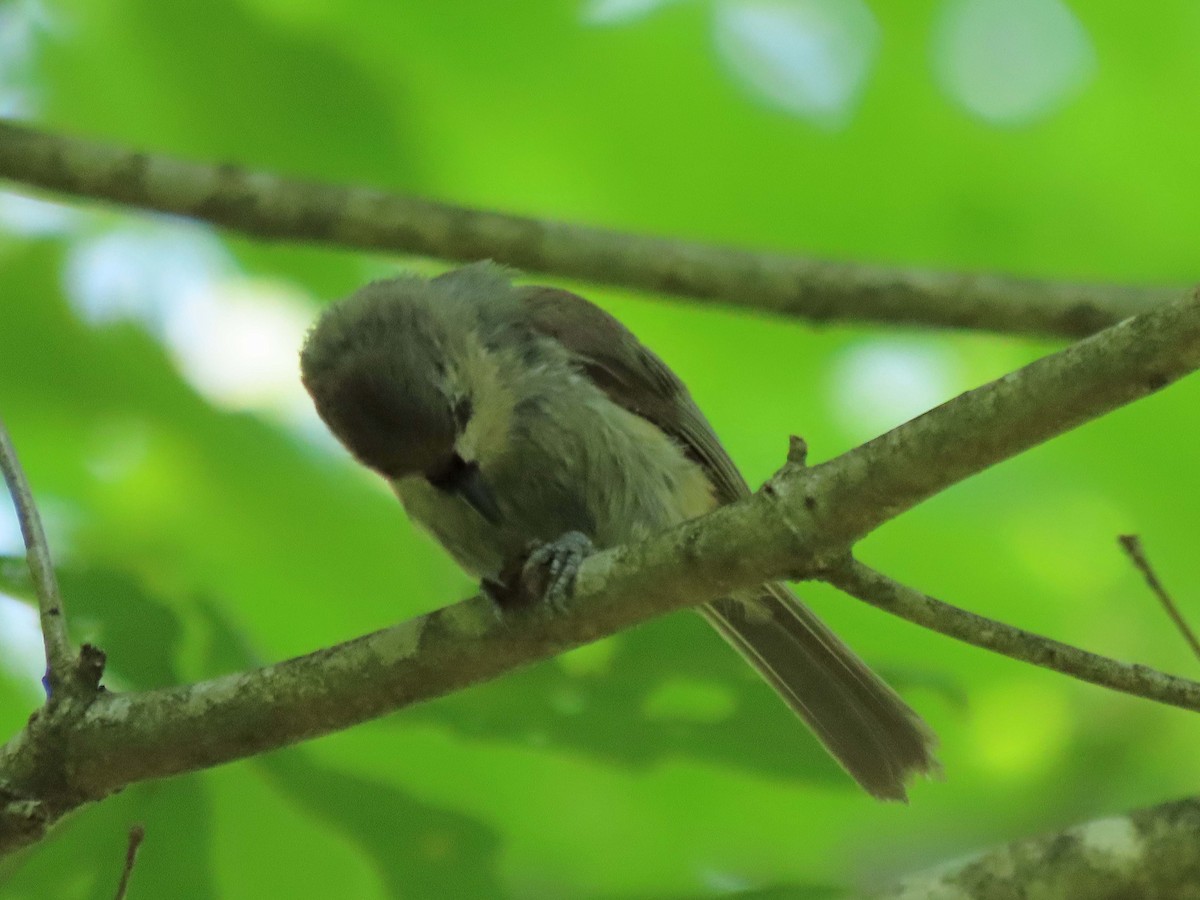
544 576
549 571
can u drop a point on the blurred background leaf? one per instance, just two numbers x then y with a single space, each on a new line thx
205 522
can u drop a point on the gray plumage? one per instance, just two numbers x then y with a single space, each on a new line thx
503 415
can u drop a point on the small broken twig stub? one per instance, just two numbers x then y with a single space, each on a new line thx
797 450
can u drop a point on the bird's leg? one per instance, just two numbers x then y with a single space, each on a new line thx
543 575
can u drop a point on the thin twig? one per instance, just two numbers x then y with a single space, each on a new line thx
266 205
136 834
882 592
1132 544
41 568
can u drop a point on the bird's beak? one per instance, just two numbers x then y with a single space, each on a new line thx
472 488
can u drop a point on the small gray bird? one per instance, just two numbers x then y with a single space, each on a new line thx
505 415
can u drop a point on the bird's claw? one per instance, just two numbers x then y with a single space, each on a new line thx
550 570
545 577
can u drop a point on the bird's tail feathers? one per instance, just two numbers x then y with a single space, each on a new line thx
864 724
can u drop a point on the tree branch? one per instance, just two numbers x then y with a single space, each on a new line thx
264 205
877 589
59 654
802 523
1149 854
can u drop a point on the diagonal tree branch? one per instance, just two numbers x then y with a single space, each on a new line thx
59 655
801 525
269 206
884 593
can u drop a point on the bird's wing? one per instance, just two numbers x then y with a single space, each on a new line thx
632 377
862 721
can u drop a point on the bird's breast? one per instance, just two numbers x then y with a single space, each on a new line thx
571 460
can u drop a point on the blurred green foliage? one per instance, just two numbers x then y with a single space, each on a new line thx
199 535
